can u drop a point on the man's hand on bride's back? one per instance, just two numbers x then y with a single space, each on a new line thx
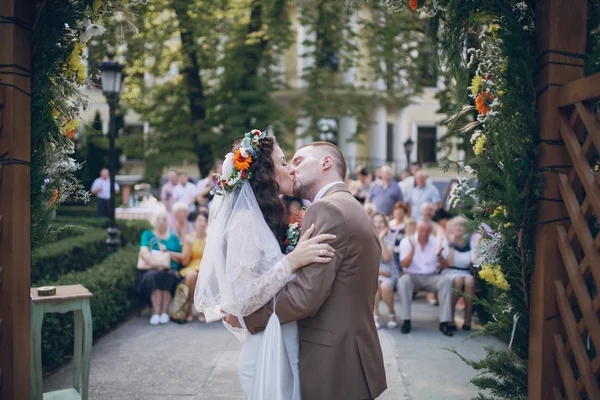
311 250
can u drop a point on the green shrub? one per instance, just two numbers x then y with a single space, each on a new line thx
77 253
83 210
95 222
65 232
129 231
112 285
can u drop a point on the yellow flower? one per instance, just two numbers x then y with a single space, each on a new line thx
81 74
501 281
71 124
487 274
55 113
476 84
493 275
500 93
493 29
508 225
499 210
479 143
96 6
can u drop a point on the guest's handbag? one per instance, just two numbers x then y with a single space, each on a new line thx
160 259
180 306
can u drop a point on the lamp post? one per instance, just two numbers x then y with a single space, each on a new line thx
408 146
111 74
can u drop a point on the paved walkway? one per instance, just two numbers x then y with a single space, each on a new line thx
199 361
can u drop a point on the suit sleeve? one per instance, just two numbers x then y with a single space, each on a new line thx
303 297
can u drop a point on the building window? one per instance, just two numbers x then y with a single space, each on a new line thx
427 144
389 156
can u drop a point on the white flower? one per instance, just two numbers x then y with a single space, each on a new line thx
228 166
234 180
469 170
475 135
244 152
91 31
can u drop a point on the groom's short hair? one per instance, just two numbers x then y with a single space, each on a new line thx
339 163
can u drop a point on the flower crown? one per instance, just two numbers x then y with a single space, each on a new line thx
237 164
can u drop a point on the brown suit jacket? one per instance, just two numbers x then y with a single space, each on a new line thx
340 354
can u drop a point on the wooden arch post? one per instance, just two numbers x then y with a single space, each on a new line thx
15 148
561 46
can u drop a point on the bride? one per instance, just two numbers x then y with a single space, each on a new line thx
243 266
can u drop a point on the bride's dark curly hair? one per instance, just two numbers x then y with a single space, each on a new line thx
266 189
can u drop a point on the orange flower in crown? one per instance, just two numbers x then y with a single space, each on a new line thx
413 4
482 103
240 162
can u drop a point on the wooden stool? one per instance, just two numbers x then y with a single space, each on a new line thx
74 298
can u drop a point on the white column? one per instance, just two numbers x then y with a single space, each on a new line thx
400 136
377 136
349 75
347 128
303 125
304 62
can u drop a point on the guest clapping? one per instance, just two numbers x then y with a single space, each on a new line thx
398 226
388 271
460 258
421 253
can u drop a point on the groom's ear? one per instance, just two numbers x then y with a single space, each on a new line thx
327 162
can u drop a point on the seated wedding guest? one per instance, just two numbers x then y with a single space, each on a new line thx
159 284
398 226
388 271
371 209
421 254
180 226
460 258
361 186
385 192
441 217
193 250
423 192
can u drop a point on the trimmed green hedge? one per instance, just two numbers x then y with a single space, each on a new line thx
129 231
77 253
112 285
84 210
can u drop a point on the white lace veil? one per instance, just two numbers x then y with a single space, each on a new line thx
239 243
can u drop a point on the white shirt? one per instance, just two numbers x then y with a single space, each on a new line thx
104 186
325 188
186 194
425 260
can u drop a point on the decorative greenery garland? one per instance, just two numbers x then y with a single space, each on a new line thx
60 32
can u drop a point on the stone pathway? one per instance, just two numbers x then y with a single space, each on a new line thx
198 361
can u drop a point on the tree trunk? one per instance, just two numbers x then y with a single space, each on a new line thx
194 88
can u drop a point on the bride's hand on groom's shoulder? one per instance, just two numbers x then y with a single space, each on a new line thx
311 250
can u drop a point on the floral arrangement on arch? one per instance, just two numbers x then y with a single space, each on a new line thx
236 167
60 34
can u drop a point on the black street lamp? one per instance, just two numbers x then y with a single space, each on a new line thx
408 146
111 74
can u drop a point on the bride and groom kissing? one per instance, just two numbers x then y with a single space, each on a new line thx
305 318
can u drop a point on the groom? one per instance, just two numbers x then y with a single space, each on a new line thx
340 354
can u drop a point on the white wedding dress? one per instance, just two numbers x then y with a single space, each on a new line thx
243 269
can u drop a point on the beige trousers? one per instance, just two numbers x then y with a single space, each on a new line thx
408 283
